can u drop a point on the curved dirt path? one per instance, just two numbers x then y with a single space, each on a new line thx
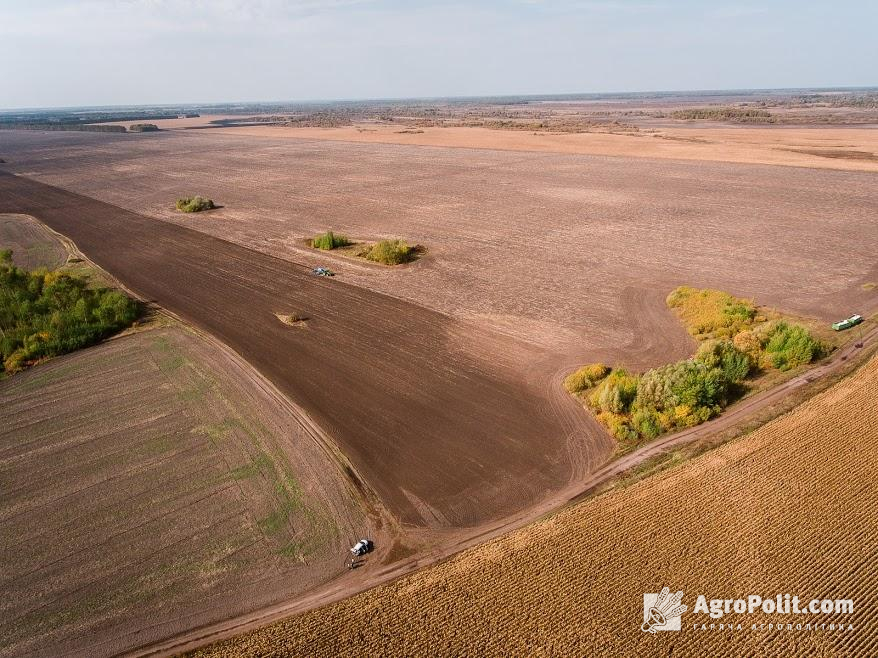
456 542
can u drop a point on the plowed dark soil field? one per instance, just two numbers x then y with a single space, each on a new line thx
450 425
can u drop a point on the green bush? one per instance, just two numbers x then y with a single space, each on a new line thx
723 354
615 393
194 204
43 314
585 377
329 240
789 346
683 384
646 423
390 252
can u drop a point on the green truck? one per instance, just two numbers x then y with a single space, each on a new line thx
847 324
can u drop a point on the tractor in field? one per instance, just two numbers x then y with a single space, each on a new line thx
323 271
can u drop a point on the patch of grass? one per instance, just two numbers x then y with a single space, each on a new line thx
194 393
712 313
390 252
157 446
195 204
295 550
171 363
217 431
329 240
251 469
869 286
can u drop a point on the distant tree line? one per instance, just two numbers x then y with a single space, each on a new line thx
83 127
738 114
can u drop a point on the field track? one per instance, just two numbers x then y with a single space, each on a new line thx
451 426
839 361
789 508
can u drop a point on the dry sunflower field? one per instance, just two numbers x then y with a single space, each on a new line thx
790 509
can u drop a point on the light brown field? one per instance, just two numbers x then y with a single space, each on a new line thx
569 252
574 253
150 485
790 508
853 149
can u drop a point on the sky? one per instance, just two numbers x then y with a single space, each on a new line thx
56 53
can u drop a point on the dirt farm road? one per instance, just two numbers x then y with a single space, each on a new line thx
344 587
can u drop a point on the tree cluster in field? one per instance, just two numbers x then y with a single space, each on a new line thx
43 314
143 127
736 343
390 252
329 240
194 204
737 114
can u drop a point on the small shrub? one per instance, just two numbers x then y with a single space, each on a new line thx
391 252
723 354
615 393
585 377
647 423
789 346
618 425
195 204
329 240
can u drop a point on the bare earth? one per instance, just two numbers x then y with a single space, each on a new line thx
570 252
450 426
441 379
854 149
788 509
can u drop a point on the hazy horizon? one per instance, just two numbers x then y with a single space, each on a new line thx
94 53
609 95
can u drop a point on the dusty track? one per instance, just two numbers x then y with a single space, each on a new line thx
451 426
839 361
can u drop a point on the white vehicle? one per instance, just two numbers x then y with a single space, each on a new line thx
362 547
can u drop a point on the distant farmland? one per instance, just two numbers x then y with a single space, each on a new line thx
148 486
791 508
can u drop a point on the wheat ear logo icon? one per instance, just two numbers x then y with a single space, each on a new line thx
664 609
